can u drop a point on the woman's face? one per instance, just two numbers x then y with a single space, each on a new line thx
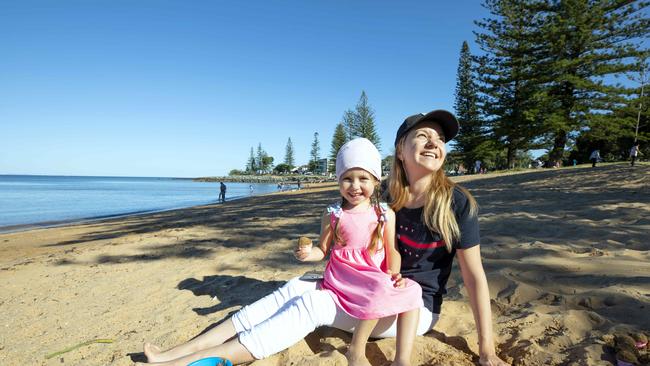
423 150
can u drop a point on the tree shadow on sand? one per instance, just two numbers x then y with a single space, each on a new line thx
228 290
241 220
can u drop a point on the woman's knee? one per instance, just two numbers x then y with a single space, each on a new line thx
296 287
320 306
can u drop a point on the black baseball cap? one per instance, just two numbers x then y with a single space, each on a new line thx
446 119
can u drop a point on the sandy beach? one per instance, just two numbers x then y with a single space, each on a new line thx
566 252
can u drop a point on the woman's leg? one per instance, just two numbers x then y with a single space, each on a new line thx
251 315
290 324
407 324
244 319
356 354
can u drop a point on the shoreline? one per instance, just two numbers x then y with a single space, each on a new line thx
17 228
20 228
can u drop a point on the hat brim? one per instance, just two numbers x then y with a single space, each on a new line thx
445 119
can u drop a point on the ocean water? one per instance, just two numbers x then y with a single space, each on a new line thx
30 200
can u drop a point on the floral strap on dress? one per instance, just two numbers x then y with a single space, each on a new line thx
334 210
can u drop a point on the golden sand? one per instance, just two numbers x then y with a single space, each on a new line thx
566 252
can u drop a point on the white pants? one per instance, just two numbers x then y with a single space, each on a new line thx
279 320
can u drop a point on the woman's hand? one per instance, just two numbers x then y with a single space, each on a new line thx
397 279
492 360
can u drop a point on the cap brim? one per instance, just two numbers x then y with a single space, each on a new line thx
446 119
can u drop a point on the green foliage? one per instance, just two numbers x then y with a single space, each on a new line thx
238 172
250 165
314 154
289 159
338 139
547 70
585 44
387 163
471 132
282 168
360 122
509 80
364 118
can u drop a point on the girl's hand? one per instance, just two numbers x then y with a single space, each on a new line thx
302 253
397 279
492 360
303 249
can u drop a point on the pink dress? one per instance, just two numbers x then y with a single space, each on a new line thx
357 280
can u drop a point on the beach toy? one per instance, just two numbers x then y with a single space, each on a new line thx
211 361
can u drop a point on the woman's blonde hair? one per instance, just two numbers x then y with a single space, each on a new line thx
438 214
378 233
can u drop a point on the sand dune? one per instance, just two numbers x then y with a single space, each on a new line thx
566 252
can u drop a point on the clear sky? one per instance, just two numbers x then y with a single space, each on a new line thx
186 88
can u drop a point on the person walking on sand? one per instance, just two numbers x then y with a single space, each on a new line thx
222 192
594 157
436 221
634 152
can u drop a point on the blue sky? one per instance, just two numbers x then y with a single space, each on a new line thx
186 88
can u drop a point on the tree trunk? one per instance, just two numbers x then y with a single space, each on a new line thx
511 157
558 147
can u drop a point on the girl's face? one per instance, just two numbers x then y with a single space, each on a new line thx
423 150
356 186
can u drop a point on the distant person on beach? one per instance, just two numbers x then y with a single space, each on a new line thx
298 183
634 152
594 157
477 167
222 192
436 220
250 188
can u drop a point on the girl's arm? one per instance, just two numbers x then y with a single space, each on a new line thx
314 254
474 278
393 258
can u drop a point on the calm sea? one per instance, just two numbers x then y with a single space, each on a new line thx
31 200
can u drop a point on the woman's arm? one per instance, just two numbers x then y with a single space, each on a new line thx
310 254
393 258
471 269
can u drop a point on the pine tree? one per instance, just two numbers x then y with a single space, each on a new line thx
250 166
588 42
471 132
509 82
338 139
288 155
349 125
314 155
364 118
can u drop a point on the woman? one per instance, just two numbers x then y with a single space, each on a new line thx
435 221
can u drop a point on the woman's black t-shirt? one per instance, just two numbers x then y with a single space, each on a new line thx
424 256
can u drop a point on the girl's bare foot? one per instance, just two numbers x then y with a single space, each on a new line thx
153 353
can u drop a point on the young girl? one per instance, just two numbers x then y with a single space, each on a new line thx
359 234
